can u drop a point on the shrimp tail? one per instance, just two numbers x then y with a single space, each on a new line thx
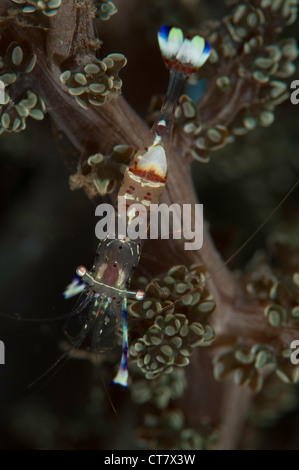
184 54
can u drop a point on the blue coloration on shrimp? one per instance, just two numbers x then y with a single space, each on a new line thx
186 55
74 288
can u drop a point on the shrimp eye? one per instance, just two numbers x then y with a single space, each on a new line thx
140 295
81 270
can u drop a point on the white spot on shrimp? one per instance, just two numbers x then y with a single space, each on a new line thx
81 271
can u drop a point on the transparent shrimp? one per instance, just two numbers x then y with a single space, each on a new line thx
106 286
